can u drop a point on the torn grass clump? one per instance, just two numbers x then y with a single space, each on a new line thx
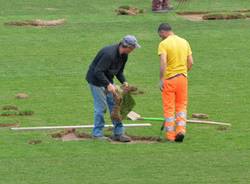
129 10
124 102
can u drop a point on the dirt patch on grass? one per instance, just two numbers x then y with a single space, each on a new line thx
37 23
70 135
22 96
16 113
13 110
26 113
9 125
222 128
73 135
34 142
143 139
200 16
10 107
129 10
224 16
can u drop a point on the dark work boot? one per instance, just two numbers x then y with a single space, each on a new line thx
179 137
121 138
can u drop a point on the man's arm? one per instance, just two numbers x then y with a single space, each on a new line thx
163 65
103 65
190 62
120 76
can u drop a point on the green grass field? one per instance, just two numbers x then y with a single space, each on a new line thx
50 65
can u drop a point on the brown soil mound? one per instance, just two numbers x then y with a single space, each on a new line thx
22 96
128 10
70 135
37 23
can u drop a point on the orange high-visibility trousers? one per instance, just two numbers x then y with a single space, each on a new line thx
174 98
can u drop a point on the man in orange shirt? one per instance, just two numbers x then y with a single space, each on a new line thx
175 61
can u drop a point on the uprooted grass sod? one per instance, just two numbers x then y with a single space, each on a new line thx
50 64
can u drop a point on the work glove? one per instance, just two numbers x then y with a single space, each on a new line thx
161 85
125 84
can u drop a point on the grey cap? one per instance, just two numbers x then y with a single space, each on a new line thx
130 40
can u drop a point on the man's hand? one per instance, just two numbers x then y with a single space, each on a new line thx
161 85
125 84
111 88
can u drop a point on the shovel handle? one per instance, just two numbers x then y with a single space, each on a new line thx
152 119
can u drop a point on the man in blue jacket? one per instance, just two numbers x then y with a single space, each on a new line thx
109 63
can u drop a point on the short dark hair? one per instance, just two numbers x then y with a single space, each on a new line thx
164 27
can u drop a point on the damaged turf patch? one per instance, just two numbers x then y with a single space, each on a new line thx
224 16
37 23
22 96
9 113
10 107
13 110
34 142
26 113
128 10
200 16
222 128
73 135
70 135
141 140
9 125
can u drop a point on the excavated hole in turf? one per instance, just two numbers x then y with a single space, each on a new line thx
37 23
73 135
141 140
200 16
